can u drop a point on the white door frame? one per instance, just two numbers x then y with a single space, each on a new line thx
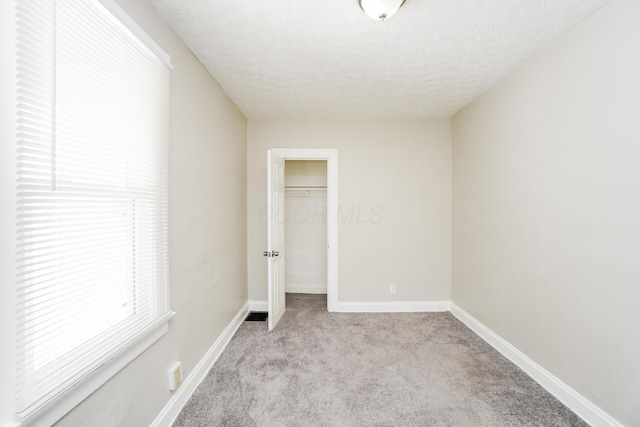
331 156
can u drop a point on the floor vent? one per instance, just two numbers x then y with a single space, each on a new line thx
256 316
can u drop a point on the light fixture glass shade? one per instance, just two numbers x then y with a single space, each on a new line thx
380 10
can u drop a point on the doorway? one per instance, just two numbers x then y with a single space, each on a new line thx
305 226
276 172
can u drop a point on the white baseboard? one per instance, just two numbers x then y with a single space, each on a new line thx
374 306
391 306
168 415
584 408
306 289
258 305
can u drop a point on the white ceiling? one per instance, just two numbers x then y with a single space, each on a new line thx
326 58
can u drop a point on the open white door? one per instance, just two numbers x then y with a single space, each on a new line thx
275 246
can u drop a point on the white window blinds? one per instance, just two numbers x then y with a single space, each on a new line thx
93 112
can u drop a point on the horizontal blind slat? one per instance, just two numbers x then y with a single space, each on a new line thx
92 207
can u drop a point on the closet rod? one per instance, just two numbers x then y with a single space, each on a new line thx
305 190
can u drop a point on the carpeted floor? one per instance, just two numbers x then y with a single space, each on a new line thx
337 369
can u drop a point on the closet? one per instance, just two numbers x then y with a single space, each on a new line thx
305 225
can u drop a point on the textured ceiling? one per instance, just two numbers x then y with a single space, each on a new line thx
326 58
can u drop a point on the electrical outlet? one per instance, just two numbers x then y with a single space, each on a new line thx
175 376
392 289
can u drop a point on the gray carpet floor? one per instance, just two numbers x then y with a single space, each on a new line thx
341 369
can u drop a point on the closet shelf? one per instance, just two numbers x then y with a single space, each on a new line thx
305 189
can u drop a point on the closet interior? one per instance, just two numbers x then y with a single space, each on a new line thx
305 218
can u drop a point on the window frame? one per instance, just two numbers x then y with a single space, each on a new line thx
8 231
52 411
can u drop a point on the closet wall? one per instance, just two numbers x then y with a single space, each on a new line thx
306 226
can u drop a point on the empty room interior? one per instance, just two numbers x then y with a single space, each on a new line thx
435 203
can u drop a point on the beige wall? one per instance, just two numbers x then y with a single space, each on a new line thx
303 173
547 209
394 197
207 235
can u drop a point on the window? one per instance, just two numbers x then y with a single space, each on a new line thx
92 206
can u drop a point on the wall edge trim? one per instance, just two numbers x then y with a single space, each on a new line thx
170 412
374 306
392 306
580 405
583 407
255 305
306 289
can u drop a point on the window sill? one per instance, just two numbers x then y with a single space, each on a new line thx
55 410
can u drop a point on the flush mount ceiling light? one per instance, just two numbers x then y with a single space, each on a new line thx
380 10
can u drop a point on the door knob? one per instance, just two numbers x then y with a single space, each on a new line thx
275 253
